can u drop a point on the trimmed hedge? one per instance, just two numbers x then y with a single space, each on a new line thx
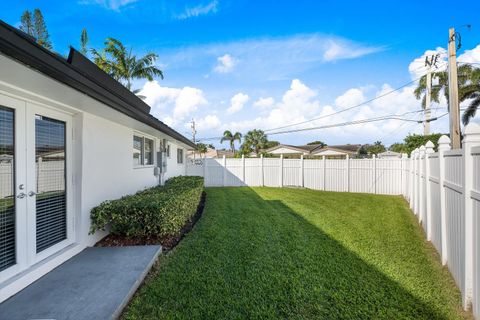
155 212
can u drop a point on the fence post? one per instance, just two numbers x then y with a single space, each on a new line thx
472 139
281 171
261 168
301 171
374 159
243 169
428 196
410 179
421 194
347 173
324 160
404 175
443 145
224 165
415 181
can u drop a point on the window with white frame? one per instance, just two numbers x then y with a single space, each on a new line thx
143 151
168 150
179 155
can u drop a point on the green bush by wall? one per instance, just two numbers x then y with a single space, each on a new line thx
155 212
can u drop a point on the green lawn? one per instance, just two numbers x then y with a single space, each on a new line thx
274 253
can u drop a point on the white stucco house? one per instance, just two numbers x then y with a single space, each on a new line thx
70 138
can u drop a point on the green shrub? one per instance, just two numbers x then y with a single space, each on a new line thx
154 212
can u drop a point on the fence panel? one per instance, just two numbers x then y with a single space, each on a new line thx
271 172
436 217
475 194
388 170
291 172
361 176
253 172
213 173
313 174
455 216
335 175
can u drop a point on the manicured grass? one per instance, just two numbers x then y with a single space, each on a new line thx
300 254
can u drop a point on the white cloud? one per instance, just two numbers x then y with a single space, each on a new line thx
337 49
261 57
350 98
200 10
470 56
109 4
208 122
226 63
264 103
237 102
183 101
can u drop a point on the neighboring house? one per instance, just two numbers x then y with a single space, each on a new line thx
315 150
211 153
389 154
289 150
71 137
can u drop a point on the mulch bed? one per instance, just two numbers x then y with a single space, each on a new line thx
167 243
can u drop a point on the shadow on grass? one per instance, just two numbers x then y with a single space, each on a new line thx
254 258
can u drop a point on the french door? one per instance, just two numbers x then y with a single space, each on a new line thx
35 184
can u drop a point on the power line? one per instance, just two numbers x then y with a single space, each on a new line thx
349 108
342 124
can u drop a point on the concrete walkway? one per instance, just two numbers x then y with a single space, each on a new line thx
95 284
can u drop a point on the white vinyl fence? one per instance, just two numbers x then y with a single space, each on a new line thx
383 176
442 188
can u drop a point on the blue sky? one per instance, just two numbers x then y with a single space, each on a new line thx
262 64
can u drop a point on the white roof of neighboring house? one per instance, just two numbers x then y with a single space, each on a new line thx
389 154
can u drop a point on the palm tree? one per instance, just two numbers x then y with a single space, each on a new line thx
124 66
228 136
255 140
468 88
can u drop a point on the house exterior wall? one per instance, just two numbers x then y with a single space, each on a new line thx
102 166
173 168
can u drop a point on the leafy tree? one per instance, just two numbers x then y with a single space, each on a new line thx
321 143
35 26
119 62
84 42
211 146
375 148
201 148
271 144
26 24
254 141
468 88
231 138
413 141
398 147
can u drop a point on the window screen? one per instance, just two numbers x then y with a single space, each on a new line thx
137 151
51 199
179 155
148 152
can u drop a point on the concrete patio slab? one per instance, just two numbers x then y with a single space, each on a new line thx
95 284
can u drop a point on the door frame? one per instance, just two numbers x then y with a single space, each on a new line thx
21 254
32 110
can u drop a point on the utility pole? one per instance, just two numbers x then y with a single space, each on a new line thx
428 94
453 91
194 132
